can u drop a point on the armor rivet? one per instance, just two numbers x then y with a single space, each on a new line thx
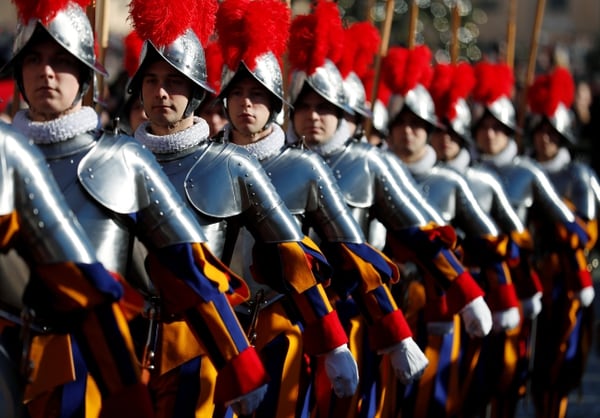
41 225
161 213
91 176
90 169
31 196
27 180
36 211
157 202
147 177
179 165
151 189
71 161
386 188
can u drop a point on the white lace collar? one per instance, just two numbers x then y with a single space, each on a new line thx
504 157
266 147
336 143
560 161
172 143
460 162
425 164
57 130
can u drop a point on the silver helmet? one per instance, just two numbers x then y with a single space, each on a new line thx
380 118
326 81
502 109
562 120
266 71
71 29
418 101
356 95
461 123
186 55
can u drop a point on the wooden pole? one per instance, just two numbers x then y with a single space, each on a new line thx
102 34
455 42
511 33
383 48
412 24
529 76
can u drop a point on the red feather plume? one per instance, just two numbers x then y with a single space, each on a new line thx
450 83
403 69
249 28
163 21
316 37
44 10
214 65
361 43
548 90
133 48
492 82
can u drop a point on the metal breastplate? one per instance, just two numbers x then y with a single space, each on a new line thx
177 167
574 184
125 178
237 185
317 197
493 200
449 193
108 232
524 184
48 229
368 185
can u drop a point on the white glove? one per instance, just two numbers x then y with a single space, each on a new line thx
246 404
532 306
477 318
342 371
408 361
586 296
506 320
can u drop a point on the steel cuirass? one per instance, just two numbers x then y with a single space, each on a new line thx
317 195
50 230
370 188
525 183
449 193
575 182
106 180
237 186
492 198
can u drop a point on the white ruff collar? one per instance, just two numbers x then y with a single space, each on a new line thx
425 164
268 146
336 143
57 130
460 162
179 141
504 157
560 161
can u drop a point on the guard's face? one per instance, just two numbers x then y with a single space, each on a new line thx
214 115
546 142
165 94
408 136
50 80
446 145
248 104
315 119
491 136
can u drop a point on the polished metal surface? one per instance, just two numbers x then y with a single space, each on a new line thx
356 95
70 28
325 81
418 101
317 198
